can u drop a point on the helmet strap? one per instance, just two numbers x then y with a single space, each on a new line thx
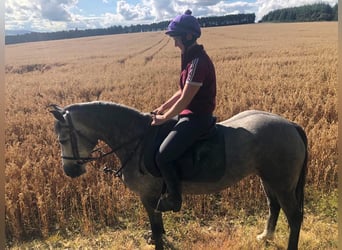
187 40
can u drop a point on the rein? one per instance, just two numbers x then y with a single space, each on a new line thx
83 160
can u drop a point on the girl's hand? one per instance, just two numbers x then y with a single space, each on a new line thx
157 119
159 111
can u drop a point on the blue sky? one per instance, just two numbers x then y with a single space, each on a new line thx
55 15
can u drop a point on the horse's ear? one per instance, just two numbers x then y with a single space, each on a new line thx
57 112
56 107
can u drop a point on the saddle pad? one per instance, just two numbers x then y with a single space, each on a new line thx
203 162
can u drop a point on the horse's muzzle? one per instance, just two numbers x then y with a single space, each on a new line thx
74 170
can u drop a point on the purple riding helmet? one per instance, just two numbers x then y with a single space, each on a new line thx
184 24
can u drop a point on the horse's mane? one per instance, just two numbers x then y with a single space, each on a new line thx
96 105
109 111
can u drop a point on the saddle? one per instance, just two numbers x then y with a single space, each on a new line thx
204 161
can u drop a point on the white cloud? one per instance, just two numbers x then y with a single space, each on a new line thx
56 10
161 9
133 12
17 15
166 9
38 14
198 2
223 8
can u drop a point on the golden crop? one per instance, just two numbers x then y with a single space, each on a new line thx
288 69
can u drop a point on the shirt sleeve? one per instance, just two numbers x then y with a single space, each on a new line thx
196 74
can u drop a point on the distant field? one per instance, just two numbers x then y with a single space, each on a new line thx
288 69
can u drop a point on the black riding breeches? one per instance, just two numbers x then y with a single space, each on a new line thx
187 130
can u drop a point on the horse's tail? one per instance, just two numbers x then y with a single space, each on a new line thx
302 177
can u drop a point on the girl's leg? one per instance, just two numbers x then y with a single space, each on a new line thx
183 135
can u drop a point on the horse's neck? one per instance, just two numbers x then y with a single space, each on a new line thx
120 125
124 134
114 124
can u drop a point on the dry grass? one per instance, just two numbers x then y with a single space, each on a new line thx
194 234
289 69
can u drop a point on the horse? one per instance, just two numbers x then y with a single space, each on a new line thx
249 143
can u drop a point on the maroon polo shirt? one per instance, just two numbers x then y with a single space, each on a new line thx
198 69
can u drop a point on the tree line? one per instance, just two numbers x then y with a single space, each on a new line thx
118 29
306 13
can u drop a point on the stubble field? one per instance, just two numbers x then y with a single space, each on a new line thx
288 69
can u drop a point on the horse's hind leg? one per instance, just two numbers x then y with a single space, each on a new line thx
274 208
156 222
294 215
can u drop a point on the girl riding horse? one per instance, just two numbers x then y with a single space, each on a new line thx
194 104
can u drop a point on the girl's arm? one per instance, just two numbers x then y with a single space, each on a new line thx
179 105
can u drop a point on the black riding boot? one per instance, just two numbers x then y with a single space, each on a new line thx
172 200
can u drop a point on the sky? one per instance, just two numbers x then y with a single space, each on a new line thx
57 15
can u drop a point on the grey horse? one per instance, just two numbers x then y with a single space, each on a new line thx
251 142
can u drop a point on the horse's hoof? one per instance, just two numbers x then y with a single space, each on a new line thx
265 236
151 241
157 241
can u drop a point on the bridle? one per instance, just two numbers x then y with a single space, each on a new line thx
73 133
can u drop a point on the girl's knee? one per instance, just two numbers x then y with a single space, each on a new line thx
163 158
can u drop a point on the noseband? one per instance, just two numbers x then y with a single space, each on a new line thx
73 133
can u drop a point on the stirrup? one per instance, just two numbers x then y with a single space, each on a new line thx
168 203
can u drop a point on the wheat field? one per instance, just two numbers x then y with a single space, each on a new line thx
288 69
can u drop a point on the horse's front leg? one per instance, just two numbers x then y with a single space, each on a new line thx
156 222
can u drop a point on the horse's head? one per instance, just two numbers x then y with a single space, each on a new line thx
76 145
